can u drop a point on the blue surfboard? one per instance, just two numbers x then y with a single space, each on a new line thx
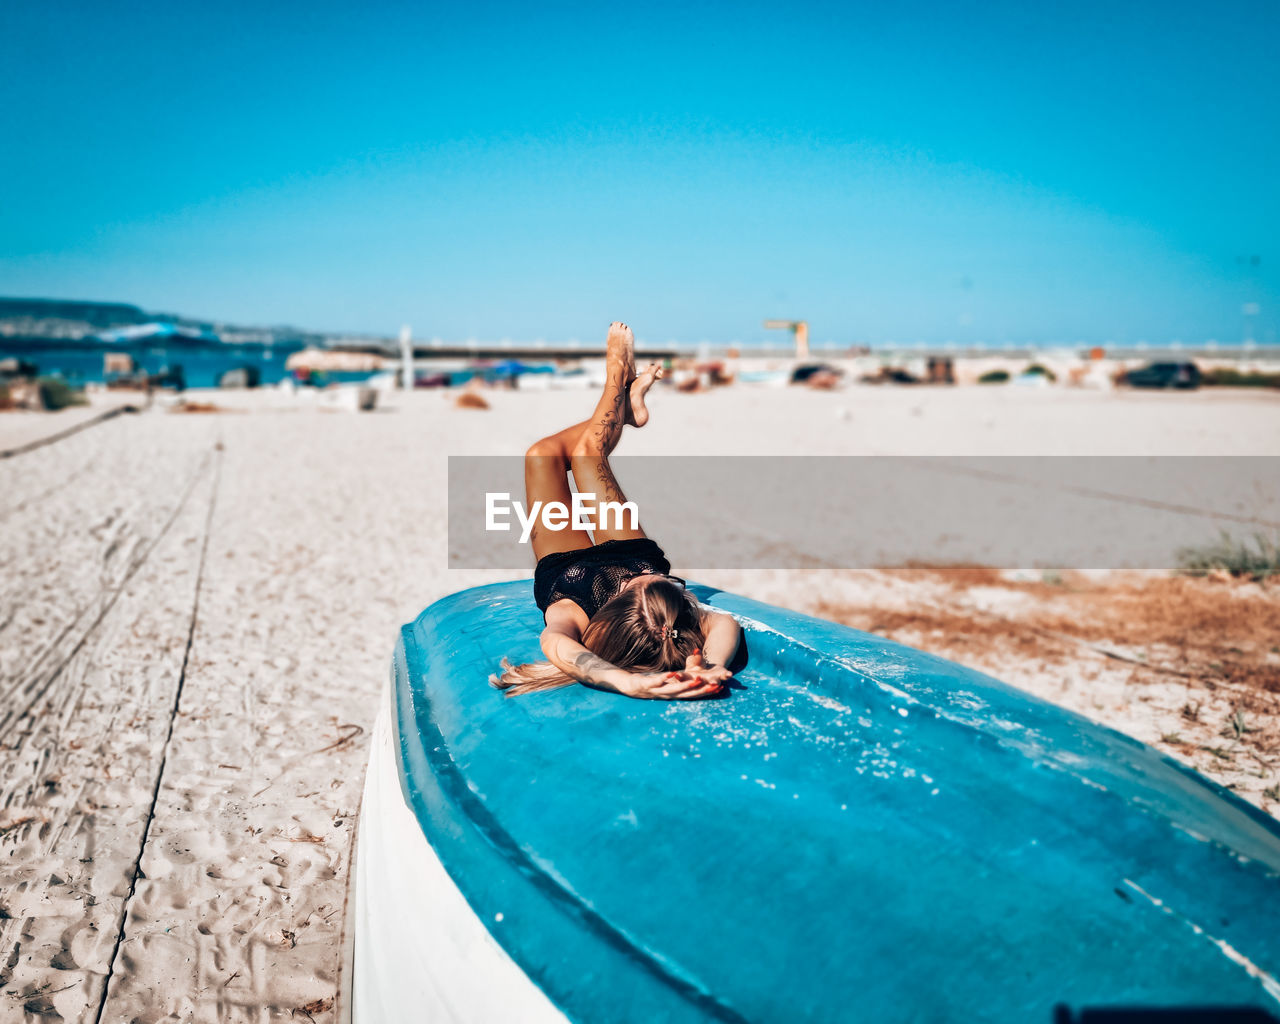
860 832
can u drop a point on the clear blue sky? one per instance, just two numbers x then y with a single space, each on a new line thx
989 171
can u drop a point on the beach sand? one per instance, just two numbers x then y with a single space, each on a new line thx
198 614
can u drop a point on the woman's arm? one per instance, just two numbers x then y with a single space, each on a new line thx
721 636
563 648
561 642
568 655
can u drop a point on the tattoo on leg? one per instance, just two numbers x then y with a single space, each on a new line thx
612 492
607 430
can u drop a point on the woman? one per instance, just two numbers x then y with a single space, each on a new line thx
615 617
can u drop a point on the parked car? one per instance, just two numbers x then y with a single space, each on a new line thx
1164 375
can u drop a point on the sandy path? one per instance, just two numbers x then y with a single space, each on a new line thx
317 553
93 644
321 532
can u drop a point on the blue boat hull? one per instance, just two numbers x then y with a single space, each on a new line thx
863 831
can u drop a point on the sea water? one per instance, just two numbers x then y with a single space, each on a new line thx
202 366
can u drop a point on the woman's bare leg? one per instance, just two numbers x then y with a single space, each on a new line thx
559 445
589 459
546 467
604 428
549 460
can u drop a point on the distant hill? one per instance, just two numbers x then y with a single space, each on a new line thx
61 318
100 314
52 321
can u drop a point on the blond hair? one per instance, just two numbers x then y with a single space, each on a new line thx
653 628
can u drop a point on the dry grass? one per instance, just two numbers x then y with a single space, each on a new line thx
1257 561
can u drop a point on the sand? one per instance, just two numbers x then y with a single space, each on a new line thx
198 612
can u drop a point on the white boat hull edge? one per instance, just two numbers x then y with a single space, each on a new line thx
421 953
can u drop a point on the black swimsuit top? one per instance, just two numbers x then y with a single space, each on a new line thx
591 576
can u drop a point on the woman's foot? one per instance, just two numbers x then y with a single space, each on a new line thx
637 413
620 348
620 355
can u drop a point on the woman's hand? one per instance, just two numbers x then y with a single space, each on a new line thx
696 679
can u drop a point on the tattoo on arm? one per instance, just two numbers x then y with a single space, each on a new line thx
591 668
